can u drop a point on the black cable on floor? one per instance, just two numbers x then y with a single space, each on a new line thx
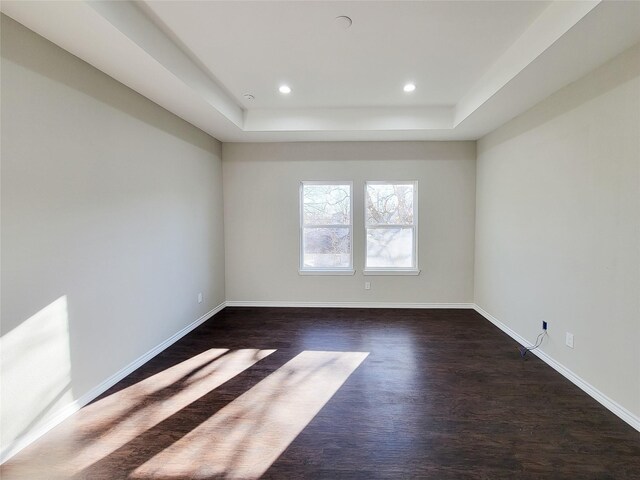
538 342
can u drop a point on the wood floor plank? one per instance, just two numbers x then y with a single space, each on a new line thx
442 394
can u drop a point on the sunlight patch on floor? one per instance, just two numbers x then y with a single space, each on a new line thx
121 417
243 439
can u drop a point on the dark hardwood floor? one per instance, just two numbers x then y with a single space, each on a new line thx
397 394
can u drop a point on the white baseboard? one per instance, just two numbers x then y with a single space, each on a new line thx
95 392
585 386
98 390
269 303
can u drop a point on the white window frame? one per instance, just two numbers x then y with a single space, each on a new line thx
302 270
413 270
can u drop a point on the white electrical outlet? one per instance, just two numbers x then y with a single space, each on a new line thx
367 285
200 297
569 340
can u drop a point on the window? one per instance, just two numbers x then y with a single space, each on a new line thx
326 228
391 222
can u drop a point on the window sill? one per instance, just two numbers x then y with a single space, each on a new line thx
326 272
408 271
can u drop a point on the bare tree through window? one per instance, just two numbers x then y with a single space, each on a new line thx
390 223
326 225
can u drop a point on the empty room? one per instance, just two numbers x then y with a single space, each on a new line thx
320 239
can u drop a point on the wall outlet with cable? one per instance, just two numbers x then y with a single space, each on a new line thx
538 342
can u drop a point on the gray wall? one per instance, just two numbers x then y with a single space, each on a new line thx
262 220
112 222
558 226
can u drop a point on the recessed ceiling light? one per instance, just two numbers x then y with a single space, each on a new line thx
409 87
344 22
285 89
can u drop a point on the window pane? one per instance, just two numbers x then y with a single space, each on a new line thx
327 247
389 204
326 204
390 247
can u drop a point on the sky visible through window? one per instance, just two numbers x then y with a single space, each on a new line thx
326 226
390 225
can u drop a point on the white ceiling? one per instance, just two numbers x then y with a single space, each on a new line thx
443 47
475 64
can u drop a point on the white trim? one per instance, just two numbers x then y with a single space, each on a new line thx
286 304
413 226
585 386
77 404
390 225
327 225
98 390
301 267
389 271
310 271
